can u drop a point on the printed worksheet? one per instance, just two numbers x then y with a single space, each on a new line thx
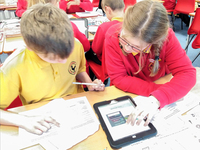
77 121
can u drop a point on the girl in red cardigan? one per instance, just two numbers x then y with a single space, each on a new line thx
72 6
142 50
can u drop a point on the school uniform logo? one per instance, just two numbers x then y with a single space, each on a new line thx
151 63
72 68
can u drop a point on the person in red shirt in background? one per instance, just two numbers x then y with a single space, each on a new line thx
114 10
140 51
21 7
169 4
72 6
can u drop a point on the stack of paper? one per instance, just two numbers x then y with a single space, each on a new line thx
77 121
175 130
2 39
12 28
87 14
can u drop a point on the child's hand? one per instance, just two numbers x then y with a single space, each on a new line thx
74 2
98 87
38 124
146 108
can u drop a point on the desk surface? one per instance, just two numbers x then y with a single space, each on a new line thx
98 139
8 7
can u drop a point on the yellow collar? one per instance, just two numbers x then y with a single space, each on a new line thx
120 19
41 63
145 51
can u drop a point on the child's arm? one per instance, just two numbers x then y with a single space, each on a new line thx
35 124
83 77
81 37
86 5
83 4
21 7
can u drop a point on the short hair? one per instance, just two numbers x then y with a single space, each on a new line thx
148 21
113 4
47 29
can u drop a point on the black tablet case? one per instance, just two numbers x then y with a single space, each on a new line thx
128 140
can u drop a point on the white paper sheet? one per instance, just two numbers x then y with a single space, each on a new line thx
174 130
77 121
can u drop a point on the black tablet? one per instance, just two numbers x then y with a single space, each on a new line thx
113 115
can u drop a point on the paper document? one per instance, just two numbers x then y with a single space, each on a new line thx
175 131
87 14
11 44
77 121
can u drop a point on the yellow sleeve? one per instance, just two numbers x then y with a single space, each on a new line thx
9 87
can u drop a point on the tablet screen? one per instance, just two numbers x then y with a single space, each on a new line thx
115 115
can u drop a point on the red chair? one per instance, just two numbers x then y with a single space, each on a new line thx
95 3
129 3
99 70
196 45
194 28
184 7
16 103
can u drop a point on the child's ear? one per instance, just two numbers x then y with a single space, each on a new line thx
29 48
108 10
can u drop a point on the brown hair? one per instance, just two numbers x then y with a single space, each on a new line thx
113 4
148 21
47 29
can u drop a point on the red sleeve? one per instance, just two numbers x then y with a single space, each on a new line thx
21 7
181 68
86 5
63 5
81 37
169 4
97 44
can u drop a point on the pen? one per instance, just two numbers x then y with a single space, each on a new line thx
86 83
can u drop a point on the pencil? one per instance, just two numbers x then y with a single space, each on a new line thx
85 83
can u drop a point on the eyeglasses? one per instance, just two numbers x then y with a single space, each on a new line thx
128 48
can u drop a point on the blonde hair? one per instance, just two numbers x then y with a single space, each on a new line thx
33 2
113 4
47 29
148 21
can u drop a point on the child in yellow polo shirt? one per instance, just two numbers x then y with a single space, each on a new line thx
45 68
